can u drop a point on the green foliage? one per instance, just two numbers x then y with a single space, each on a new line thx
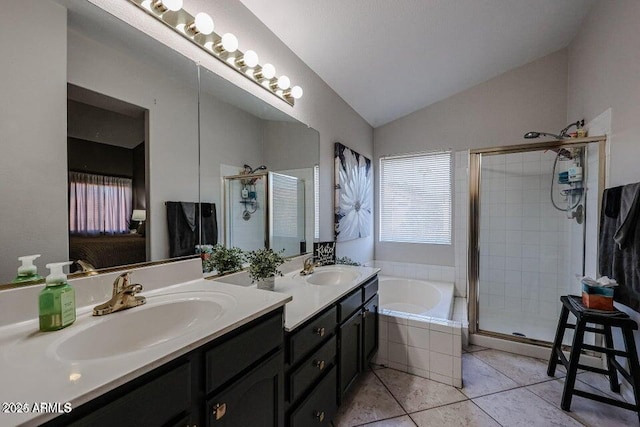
264 263
347 261
225 260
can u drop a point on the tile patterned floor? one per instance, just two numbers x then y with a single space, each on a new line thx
500 389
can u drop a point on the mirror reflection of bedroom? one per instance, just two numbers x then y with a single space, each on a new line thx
106 140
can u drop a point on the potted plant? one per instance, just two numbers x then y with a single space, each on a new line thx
263 267
226 260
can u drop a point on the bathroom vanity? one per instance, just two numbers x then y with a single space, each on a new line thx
197 353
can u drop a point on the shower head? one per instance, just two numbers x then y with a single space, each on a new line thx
563 133
533 135
259 168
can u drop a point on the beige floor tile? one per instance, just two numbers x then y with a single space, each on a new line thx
403 421
462 414
586 411
480 379
416 393
521 369
521 407
367 401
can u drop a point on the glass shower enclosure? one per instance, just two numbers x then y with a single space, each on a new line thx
533 211
265 210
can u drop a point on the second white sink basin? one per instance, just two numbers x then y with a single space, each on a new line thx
333 275
163 318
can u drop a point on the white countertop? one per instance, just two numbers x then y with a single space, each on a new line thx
32 370
309 300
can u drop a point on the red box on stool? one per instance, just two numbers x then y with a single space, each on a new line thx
597 297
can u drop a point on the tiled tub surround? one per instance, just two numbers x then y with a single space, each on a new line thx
419 344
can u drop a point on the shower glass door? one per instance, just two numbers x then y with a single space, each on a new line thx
532 212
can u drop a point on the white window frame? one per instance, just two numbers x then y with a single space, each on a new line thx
443 233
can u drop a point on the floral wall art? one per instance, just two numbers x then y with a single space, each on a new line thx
353 206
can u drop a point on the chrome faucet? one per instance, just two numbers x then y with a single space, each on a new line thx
123 297
308 266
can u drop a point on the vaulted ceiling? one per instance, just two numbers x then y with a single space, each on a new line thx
389 58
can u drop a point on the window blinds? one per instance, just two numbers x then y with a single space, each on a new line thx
415 198
316 202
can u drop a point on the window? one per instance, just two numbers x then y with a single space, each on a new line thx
99 204
415 198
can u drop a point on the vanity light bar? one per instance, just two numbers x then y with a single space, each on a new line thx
199 29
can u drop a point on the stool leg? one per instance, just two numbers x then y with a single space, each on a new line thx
634 366
574 358
557 343
613 373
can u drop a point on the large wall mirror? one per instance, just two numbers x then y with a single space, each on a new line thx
136 174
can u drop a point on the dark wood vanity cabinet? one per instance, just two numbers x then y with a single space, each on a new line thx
327 353
234 380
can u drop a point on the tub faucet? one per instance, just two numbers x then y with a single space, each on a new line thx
309 265
123 296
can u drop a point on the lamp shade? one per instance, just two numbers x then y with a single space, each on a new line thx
139 215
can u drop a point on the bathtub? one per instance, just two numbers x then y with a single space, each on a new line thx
416 297
415 332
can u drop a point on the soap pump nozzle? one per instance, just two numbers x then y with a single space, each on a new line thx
57 276
28 268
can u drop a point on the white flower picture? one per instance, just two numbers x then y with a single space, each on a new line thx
353 194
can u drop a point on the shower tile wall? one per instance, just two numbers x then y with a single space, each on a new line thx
525 246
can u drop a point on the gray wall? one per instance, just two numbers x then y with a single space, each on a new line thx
320 107
495 113
102 159
604 72
33 119
289 145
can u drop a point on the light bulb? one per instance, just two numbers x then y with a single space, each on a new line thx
268 71
229 42
284 82
203 24
172 5
250 58
164 5
296 92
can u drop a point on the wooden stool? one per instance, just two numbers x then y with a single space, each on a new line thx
607 320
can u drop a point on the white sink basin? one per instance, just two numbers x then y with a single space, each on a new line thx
333 275
162 319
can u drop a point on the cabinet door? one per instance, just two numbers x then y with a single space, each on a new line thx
350 352
370 329
256 399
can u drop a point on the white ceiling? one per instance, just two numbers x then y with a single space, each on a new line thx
389 58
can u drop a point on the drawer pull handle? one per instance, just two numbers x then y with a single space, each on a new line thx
318 331
319 415
219 410
364 313
319 364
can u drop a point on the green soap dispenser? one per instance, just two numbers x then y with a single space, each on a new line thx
57 300
27 271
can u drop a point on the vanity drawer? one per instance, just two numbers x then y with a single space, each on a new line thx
349 305
154 403
320 407
370 288
312 369
310 336
228 359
